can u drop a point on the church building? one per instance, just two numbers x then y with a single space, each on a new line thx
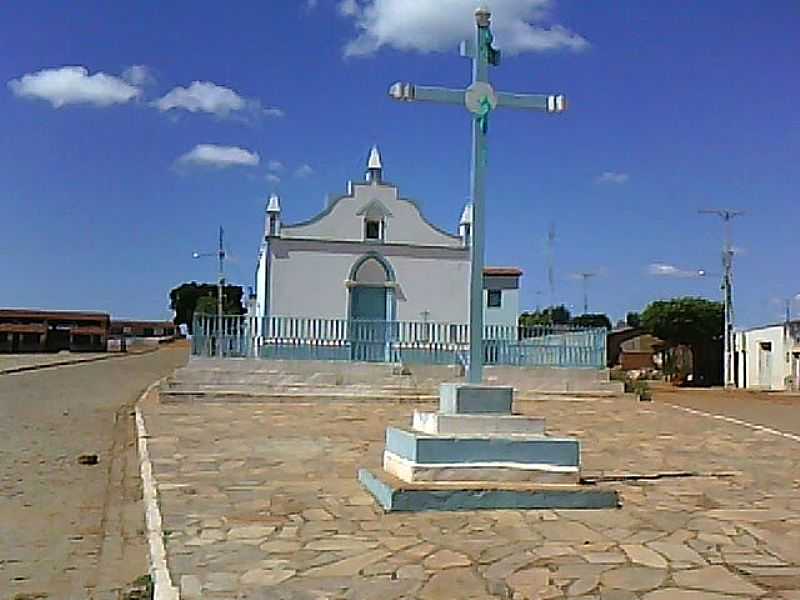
372 254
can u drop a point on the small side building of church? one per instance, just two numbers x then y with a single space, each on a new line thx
371 254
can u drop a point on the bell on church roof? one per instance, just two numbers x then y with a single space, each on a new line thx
374 165
274 204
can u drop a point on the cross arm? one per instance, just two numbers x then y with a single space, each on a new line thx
410 92
547 103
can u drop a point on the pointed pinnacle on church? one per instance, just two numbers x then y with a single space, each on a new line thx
274 204
374 161
374 166
466 215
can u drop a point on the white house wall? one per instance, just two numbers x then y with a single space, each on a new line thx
505 314
751 341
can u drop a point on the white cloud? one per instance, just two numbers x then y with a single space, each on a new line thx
425 26
211 155
311 4
208 97
272 178
612 177
275 166
664 270
348 8
303 171
272 111
74 85
138 75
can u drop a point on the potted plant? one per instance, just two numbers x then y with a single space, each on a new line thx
642 391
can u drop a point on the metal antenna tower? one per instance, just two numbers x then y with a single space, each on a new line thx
727 215
586 276
551 269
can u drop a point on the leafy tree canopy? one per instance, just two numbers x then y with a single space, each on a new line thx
185 298
592 320
552 315
206 305
689 321
633 319
560 315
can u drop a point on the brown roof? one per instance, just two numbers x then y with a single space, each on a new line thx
502 271
23 327
26 313
80 330
131 323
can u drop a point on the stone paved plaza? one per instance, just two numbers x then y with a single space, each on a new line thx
260 501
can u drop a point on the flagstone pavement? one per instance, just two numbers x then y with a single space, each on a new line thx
260 501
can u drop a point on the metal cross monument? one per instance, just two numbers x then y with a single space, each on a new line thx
480 99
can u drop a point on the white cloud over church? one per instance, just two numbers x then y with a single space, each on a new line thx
425 26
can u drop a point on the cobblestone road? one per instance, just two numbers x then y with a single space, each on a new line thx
260 501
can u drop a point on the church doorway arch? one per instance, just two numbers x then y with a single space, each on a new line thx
371 308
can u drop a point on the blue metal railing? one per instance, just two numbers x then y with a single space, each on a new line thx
300 338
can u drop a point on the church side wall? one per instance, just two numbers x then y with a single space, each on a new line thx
261 284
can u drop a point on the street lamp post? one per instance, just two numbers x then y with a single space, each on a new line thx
220 254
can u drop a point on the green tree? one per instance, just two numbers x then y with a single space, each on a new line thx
552 315
693 322
633 319
206 305
184 300
592 320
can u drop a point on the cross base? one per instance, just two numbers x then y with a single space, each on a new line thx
475 453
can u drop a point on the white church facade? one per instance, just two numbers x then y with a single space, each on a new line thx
372 255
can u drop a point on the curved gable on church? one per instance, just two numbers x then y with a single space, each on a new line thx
373 211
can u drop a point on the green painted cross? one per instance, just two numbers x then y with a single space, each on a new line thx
480 99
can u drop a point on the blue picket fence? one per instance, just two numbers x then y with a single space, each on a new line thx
295 338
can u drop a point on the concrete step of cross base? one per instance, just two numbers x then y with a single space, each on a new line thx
532 450
394 494
411 472
435 423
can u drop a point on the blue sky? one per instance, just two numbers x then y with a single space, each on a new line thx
682 105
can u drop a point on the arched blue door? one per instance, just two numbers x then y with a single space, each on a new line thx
369 310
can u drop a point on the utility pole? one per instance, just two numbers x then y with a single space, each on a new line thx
787 302
220 290
727 215
586 277
220 254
